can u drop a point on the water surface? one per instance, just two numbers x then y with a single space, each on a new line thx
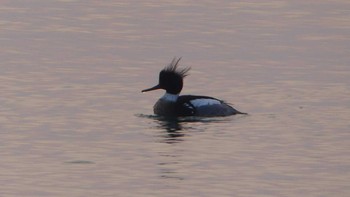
73 121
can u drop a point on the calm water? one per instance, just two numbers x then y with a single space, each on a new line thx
73 121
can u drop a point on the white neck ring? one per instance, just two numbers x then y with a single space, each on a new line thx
170 97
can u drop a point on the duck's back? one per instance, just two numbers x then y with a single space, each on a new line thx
191 105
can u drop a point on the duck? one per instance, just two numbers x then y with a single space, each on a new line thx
171 79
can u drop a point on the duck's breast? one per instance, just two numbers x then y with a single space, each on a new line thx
164 108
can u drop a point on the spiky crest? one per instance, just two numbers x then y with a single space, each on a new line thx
172 68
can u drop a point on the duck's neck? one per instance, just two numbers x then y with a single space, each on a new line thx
170 97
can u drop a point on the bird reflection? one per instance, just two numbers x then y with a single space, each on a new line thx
172 128
172 133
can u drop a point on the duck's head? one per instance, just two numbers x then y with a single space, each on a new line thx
171 78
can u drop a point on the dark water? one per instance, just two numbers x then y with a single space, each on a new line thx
74 123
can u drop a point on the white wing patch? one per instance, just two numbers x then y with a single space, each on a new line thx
204 101
188 106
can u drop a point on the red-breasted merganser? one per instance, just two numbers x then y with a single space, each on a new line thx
171 104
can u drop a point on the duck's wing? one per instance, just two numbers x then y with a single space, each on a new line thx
191 105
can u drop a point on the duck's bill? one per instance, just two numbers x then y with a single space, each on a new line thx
150 89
